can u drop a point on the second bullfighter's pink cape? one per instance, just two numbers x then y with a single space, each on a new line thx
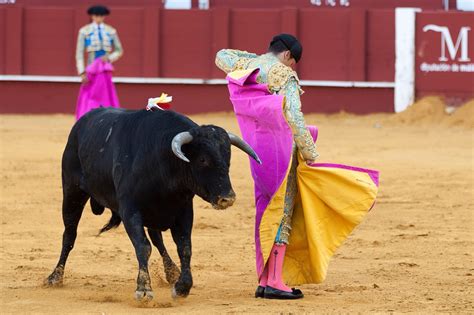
99 91
332 198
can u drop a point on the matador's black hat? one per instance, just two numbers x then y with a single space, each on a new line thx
291 43
98 10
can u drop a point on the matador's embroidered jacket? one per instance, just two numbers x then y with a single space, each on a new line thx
97 40
282 80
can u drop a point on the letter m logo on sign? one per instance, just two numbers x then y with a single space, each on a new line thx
447 41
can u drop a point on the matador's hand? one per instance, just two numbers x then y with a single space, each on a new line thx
84 78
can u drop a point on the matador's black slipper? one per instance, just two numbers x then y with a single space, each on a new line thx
272 293
260 292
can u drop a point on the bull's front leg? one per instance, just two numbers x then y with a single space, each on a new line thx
182 237
171 270
132 220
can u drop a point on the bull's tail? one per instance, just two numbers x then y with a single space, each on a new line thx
96 207
113 223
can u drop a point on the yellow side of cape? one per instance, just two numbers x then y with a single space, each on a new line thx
332 202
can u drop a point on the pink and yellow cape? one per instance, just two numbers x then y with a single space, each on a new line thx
332 198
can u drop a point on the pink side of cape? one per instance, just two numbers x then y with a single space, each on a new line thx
263 126
99 90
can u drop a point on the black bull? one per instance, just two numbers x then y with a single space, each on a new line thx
146 167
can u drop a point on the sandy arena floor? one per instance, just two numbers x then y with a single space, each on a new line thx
413 253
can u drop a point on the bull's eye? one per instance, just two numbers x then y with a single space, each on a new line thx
203 161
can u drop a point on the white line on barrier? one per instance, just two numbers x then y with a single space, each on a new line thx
138 80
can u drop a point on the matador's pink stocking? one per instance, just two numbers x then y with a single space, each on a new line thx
275 267
264 277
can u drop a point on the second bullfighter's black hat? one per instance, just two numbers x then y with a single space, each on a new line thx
98 10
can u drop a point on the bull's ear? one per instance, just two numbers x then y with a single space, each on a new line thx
244 146
178 141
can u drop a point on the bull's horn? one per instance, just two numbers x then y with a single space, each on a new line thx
244 146
178 140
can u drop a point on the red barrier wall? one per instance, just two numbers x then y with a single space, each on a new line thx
345 45
374 4
380 45
186 49
189 99
2 40
356 45
254 4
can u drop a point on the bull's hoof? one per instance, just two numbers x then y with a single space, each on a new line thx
144 295
178 292
174 294
55 279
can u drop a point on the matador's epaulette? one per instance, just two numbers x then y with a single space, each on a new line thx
279 75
